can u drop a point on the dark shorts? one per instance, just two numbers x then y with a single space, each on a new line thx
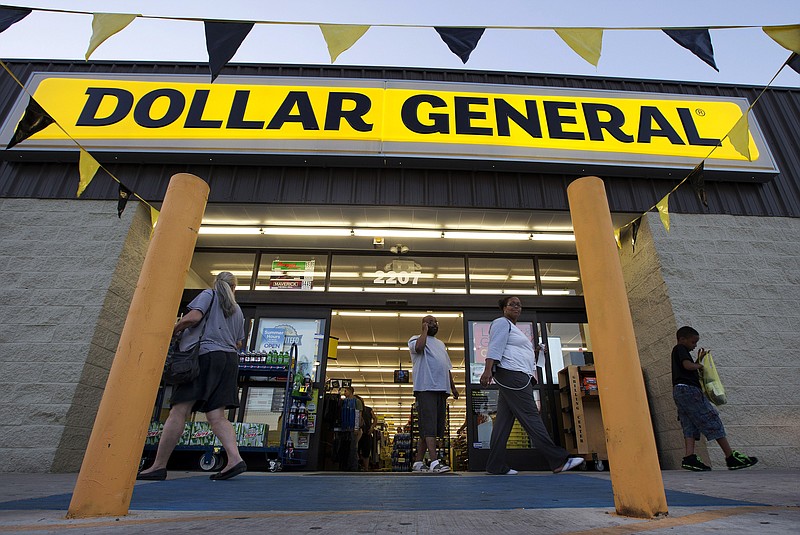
431 408
216 386
365 445
696 414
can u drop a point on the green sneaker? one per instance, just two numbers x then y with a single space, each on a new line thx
693 463
737 461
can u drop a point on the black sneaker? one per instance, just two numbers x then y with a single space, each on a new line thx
693 463
737 461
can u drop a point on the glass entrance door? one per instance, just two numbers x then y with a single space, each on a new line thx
558 332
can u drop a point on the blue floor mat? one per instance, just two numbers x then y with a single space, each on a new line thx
374 492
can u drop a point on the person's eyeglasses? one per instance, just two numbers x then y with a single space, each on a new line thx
514 305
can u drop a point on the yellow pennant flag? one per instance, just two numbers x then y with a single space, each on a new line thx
617 238
786 36
340 37
87 167
740 137
586 42
104 25
153 219
663 211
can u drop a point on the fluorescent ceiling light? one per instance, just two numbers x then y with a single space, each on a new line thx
473 235
510 291
236 231
379 348
558 292
574 349
305 231
437 314
333 368
396 233
367 313
552 237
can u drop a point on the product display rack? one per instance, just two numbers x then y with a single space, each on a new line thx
256 369
401 453
295 414
582 420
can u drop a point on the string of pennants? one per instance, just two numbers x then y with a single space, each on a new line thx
223 39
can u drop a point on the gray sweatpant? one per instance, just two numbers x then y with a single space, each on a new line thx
519 404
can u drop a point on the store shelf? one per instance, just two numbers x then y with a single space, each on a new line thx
582 421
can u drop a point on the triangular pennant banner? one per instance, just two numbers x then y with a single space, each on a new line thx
663 211
617 238
153 220
786 36
740 137
88 167
698 42
794 62
461 41
635 231
586 42
11 15
104 25
340 37
223 39
122 198
34 120
698 182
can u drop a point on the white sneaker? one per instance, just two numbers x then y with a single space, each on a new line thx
511 472
419 466
439 467
571 463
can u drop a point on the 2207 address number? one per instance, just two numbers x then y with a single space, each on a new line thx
396 277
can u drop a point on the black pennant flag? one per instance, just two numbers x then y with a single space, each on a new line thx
635 231
698 42
223 39
11 15
698 182
794 62
34 120
461 41
124 195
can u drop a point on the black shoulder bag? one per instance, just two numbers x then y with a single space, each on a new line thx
184 366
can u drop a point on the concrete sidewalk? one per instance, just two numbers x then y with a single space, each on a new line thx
747 501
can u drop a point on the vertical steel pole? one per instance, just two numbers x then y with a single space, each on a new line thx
635 472
105 483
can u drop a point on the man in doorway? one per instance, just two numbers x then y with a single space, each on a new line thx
433 383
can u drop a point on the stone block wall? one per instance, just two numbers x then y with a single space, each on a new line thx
69 269
737 281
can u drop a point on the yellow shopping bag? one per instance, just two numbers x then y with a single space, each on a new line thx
710 382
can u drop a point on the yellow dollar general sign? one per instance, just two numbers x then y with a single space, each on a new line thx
394 119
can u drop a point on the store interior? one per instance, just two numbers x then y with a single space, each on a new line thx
373 344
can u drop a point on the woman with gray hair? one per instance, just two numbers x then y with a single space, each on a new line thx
215 388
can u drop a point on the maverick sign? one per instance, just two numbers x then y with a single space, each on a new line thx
391 119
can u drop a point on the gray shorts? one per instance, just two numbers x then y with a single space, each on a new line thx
431 408
697 414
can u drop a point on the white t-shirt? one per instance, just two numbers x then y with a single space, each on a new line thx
510 347
431 368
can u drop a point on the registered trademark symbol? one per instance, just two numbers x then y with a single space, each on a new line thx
700 111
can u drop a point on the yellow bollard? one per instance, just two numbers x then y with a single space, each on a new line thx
105 483
635 472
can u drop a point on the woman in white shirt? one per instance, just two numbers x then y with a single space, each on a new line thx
510 361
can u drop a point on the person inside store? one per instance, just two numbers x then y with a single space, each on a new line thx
433 384
366 442
510 362
356 421
695 412
215 389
